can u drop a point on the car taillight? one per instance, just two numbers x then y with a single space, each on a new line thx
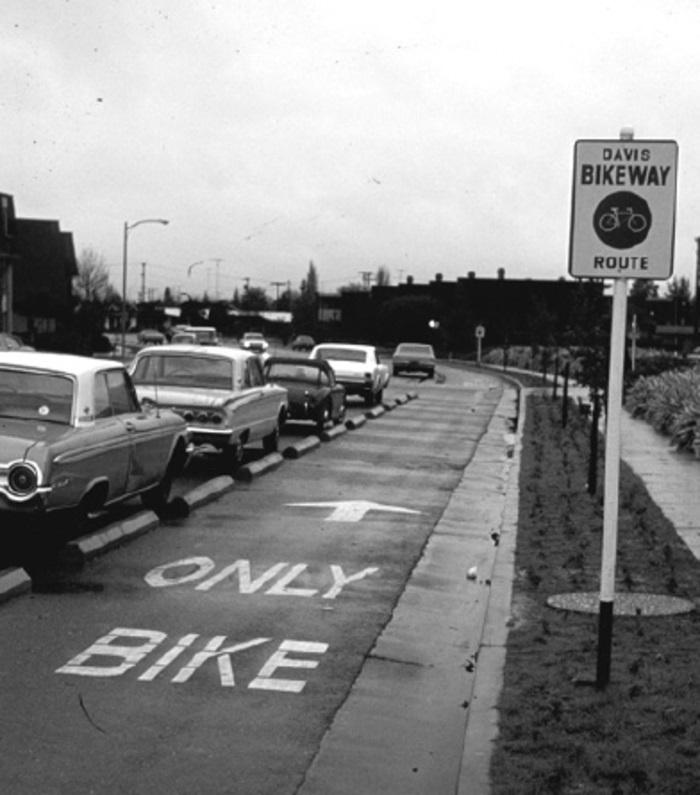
202 417
23 479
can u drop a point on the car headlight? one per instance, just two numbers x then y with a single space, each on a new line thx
23 478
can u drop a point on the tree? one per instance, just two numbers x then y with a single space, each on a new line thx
383 277
254 300
678 291
92 281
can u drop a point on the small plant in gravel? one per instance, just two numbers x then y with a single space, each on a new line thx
558 733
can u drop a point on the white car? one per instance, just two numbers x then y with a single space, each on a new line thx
221 392
357 367
254 341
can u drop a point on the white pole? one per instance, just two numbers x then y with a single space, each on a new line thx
612 479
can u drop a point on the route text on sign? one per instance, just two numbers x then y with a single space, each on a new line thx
129 647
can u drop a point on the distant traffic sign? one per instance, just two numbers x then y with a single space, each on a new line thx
624 209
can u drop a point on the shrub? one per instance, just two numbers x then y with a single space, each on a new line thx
670 402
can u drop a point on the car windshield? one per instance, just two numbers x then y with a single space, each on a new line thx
36 395
283 371
341 354
192 371
252 336
415 350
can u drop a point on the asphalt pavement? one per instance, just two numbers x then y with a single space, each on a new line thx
461 589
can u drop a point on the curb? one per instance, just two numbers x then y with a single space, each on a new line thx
255 468
13 582
115 535
299 449
201 495
482 718
356 422
374 413
332 433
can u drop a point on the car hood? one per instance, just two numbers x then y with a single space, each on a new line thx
17 437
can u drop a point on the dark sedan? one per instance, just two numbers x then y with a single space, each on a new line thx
414 357
314 394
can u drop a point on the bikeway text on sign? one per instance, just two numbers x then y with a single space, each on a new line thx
623 209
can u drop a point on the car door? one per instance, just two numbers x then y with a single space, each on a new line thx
113 452
265 404
149 437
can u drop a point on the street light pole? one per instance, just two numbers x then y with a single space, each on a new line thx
127 228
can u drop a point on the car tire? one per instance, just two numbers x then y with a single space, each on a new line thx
157 498
233 455
271 442
379 397
342 411
324 417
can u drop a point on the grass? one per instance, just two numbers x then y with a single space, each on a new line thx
557 732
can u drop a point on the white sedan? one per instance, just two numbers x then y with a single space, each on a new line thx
357 367
220 391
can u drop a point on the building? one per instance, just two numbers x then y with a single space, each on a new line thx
447 314
37 266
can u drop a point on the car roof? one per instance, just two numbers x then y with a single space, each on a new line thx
220 351
319 364
57 362
348 345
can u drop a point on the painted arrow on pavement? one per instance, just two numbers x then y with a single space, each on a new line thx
350 510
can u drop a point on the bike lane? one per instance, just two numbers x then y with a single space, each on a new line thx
211 655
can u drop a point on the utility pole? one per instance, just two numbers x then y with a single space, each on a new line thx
216 285
143 282
277 285
366 279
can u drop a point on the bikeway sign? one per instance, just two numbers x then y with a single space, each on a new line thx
623 212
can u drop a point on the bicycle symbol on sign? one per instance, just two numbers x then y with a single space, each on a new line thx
618 218
622 220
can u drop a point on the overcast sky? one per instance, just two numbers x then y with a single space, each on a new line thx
424 136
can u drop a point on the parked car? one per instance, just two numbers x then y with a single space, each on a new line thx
73 437
183 338
204 335
357 368
314 393
303 342
151 336
413 357
221 392
10 342
254 341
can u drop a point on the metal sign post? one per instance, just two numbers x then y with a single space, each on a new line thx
479 333
622 226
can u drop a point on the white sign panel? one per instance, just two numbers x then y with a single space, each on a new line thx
624 209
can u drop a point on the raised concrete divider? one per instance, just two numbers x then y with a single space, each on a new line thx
13 581
207 492
82 549
332 433
374 413
255 468
302 447
355 422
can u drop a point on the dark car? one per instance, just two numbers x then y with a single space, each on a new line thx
10 342
303 342
314 393
414 357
